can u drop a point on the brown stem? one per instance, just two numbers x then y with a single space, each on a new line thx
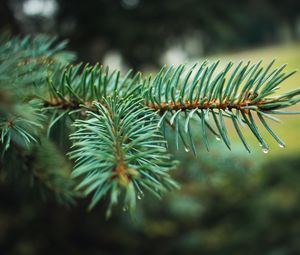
162 107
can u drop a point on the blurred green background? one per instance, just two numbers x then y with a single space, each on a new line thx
230 202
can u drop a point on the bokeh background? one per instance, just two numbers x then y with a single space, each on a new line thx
230 202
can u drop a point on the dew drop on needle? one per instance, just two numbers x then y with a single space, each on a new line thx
186 149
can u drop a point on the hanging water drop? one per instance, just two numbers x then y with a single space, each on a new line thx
124 208
265 150
186 149
281 145
140 195
260 144
218 138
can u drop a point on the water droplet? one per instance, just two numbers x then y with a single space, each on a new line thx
281 145
265 150
125 208
260 144
140 195
186 149
218 138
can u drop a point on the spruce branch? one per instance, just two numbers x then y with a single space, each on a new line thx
24 66
209 94
120 147
178 96
118 122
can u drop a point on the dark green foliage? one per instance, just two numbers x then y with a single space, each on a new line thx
225 207
20 126
25 154
42 170
24 66
118 148
26 62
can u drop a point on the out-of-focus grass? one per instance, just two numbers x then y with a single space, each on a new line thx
289 129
